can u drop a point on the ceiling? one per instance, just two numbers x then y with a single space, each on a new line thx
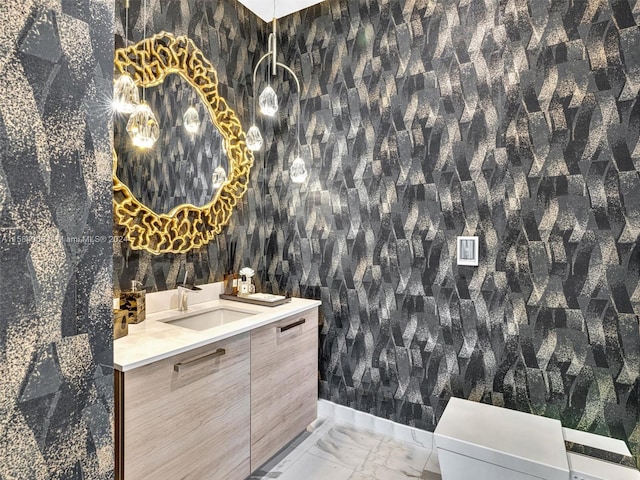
264 8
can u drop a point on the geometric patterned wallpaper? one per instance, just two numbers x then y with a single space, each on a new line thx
518 122
56 349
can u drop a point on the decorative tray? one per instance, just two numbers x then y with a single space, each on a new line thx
263 299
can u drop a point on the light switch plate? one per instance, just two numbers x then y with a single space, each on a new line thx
467 251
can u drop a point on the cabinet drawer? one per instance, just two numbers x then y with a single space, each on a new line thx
284 383
188 417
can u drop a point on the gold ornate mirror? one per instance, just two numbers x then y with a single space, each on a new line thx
187 225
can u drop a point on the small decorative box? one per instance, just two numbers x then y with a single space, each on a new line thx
120 323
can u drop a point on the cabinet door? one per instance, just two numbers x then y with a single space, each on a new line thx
284 383
187 417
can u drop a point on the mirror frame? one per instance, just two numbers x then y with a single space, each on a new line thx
186 226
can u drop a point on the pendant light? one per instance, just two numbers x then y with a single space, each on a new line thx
219 173
268 98
143 125
191 120
254 139
298 171
125 91
219 176
125 94
268 102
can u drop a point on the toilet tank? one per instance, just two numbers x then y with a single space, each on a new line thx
485 442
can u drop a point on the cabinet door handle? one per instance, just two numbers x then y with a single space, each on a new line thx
218 353
292 325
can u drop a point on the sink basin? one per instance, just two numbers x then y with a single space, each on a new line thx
210 319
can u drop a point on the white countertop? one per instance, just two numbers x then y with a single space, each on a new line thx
154 340
520 441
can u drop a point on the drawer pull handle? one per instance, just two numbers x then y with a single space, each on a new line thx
292 325
218 353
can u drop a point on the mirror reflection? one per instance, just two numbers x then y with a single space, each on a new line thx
181 167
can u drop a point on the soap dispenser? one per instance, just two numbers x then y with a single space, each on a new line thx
134 301
246 284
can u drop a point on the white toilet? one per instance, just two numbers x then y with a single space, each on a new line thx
484 442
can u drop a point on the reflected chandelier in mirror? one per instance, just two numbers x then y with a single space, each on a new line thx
186 226
178 169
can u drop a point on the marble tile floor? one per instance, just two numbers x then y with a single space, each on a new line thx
331 450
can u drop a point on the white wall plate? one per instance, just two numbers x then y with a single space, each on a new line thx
467 251
265 9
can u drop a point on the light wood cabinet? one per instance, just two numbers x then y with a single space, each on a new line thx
284 383
188 416
218 412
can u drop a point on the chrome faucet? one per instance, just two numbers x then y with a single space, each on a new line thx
183 296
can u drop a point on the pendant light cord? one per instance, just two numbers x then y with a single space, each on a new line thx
126 23
144 38
144 19
299 115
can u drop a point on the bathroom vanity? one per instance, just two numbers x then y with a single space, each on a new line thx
216 391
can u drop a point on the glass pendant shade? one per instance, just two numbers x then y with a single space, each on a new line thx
254 139
191 120
269 101
298 171
143 127
125 95
219 176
